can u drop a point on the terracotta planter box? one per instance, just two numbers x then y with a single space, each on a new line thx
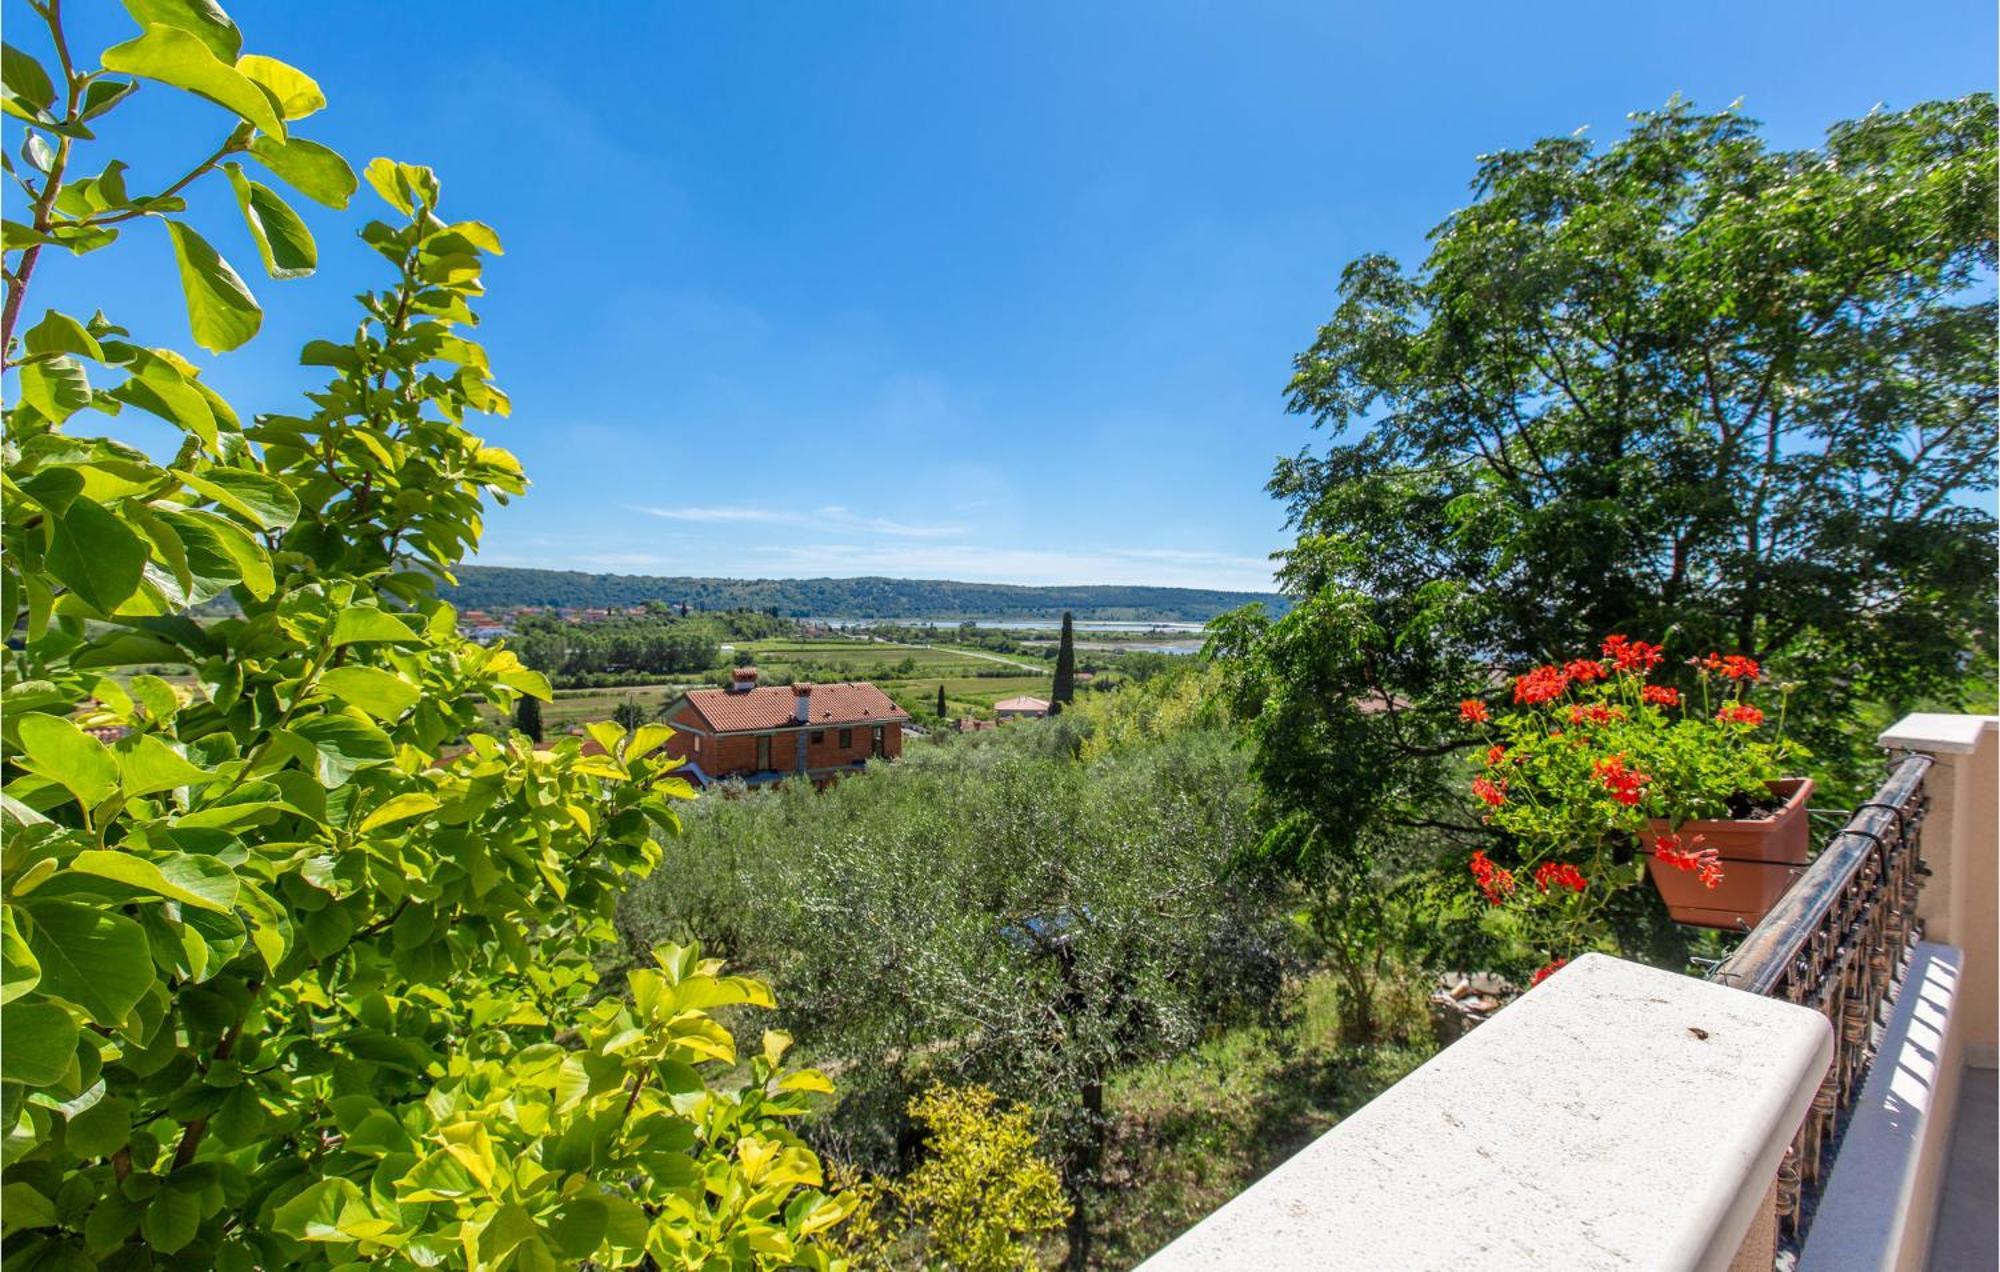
1760 859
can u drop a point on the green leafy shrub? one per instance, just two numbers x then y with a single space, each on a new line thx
285 984
983 1193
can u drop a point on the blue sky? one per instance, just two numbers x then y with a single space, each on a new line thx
1003 291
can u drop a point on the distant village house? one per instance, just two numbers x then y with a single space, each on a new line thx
767 733
1023 708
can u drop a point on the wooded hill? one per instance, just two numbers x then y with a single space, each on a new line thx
498 587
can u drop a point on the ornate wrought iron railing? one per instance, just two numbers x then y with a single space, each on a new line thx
1838 942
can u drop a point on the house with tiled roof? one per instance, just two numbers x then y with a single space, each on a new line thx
764 733
1022 708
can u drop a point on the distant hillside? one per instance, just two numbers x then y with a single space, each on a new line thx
499 587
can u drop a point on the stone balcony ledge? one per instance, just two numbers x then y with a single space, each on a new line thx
1617 1116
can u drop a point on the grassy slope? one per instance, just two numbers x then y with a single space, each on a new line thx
1188 1134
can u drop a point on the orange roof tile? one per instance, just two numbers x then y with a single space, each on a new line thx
845 703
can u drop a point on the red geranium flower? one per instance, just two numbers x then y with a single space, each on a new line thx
1626 785
1546 971
1740 713
1473 711
1631 655
1540 685
1584 670
1704 862
1493 880
1661 695
1560 874
1734 666
1491 794
1495 754
1595 713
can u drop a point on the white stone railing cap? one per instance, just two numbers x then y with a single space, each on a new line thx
1936 733
1616 1116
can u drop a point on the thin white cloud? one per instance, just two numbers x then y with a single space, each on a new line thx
718 514
833 517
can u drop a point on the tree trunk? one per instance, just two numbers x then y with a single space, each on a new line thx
1084 1164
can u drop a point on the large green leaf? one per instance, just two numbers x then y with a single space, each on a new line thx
221 311
193 880
253 563
19 972
402 808
90 956
172 1218
57 387
22 1206
268 503
359 626
308 167
282 238
203 19
344 745
96 555
157 385
294 91
381 694
328 1210
177 57
41 1043
146 764
60 333
27 84
65 754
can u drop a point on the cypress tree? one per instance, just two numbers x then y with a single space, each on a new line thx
528 717
940 709
1065 689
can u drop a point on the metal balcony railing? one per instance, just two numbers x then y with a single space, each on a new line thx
1838 942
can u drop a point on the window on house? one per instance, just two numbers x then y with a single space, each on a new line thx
878 742
846 738
819 736
697 744
763 753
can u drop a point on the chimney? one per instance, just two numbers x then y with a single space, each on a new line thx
802 691
744 680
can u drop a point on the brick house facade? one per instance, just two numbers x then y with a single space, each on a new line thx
771 732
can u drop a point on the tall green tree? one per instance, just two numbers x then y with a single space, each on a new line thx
1685 387
282 987
941 709
1065 682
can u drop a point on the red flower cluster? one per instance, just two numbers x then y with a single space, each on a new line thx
1740 713
1660 696
1495 754
1734 666
1492 794
1667 851
1627 785
1473 711
1560 874
1631 655
1546 971
1493 880
1595 713
1584 670
1540 685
